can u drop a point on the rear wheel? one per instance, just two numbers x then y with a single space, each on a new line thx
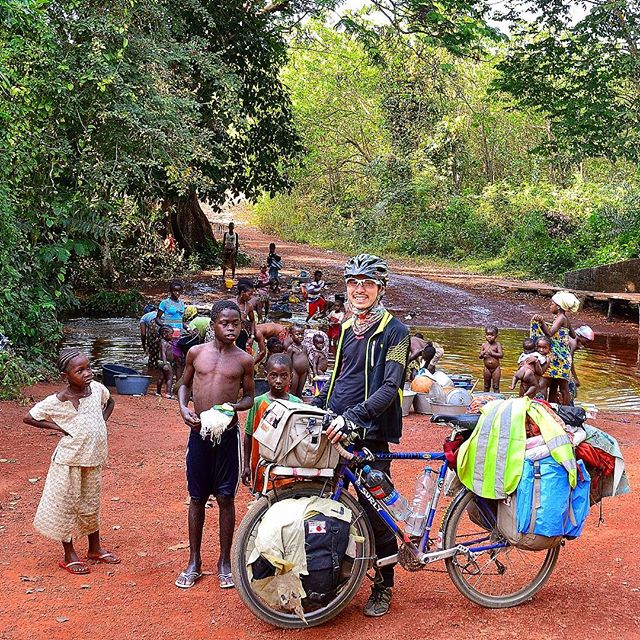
496 578
244 543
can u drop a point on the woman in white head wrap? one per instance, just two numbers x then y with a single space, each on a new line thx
559 332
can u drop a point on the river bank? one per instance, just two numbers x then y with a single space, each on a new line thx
421 295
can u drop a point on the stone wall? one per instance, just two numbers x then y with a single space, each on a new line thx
609 278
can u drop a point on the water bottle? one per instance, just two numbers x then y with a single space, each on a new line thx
382 488
425 488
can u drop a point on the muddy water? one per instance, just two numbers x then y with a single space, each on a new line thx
607 369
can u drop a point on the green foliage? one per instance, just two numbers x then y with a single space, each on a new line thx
108 118
412 151
112 303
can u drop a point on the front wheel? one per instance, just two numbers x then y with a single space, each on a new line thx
244 543
497 578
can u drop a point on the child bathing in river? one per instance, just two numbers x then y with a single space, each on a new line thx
491 352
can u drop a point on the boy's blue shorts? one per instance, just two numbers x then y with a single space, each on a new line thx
213 469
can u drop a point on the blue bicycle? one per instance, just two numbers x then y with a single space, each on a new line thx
484 567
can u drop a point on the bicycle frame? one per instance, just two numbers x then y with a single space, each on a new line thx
421 551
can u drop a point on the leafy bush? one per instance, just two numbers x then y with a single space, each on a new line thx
112 303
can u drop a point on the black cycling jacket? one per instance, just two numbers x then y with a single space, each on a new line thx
387 353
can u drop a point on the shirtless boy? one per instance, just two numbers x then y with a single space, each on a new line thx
300 358
491 352
317 358
215 373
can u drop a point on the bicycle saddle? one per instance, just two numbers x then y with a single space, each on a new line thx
464 421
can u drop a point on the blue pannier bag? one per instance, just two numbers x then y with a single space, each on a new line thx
546 503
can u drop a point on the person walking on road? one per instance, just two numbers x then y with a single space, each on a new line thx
230 247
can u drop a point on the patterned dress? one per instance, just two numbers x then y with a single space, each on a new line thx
560 356
70 500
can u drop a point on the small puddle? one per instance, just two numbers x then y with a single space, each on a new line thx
607 369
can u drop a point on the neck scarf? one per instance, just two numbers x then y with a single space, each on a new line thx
364 320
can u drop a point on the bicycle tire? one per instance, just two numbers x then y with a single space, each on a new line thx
345 594
450 526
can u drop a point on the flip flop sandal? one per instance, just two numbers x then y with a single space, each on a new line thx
67 566
189 578
226 581
104 559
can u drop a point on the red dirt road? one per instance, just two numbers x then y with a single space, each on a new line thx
594 592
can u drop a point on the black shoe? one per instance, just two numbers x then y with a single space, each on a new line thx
379 602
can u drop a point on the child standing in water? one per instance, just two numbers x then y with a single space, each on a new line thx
71 496
165 362
300 359
274 262
491 352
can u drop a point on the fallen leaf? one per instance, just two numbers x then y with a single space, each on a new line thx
39 589
29 591
142 553
115 499
85 586
29 578
62 619
34 480
117 527
179 546
8 460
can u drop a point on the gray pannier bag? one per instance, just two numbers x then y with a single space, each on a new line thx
508 527
290 435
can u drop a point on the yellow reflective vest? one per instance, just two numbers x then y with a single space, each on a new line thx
490 462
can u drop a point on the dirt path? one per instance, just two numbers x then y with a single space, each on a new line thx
594 592
422 295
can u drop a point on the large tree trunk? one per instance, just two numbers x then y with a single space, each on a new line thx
189 224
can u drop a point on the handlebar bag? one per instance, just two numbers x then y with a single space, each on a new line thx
290 434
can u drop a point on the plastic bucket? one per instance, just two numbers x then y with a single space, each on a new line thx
132 385
408 397
422 404
110 370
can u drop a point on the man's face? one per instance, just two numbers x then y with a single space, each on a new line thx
279 377
227 326
175 292
297 335
362 292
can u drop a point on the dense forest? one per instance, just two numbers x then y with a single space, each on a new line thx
509 146
505 137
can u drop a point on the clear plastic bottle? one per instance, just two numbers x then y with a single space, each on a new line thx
382 488
425 488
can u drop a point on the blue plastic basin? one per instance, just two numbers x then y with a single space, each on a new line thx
132 385
110 370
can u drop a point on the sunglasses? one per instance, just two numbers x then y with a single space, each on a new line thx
367 283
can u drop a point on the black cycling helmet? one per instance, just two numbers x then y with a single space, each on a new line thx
367 265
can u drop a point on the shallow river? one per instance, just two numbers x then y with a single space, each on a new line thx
607 369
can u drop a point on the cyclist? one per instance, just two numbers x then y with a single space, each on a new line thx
364 391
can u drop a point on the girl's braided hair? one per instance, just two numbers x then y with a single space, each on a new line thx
66 356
